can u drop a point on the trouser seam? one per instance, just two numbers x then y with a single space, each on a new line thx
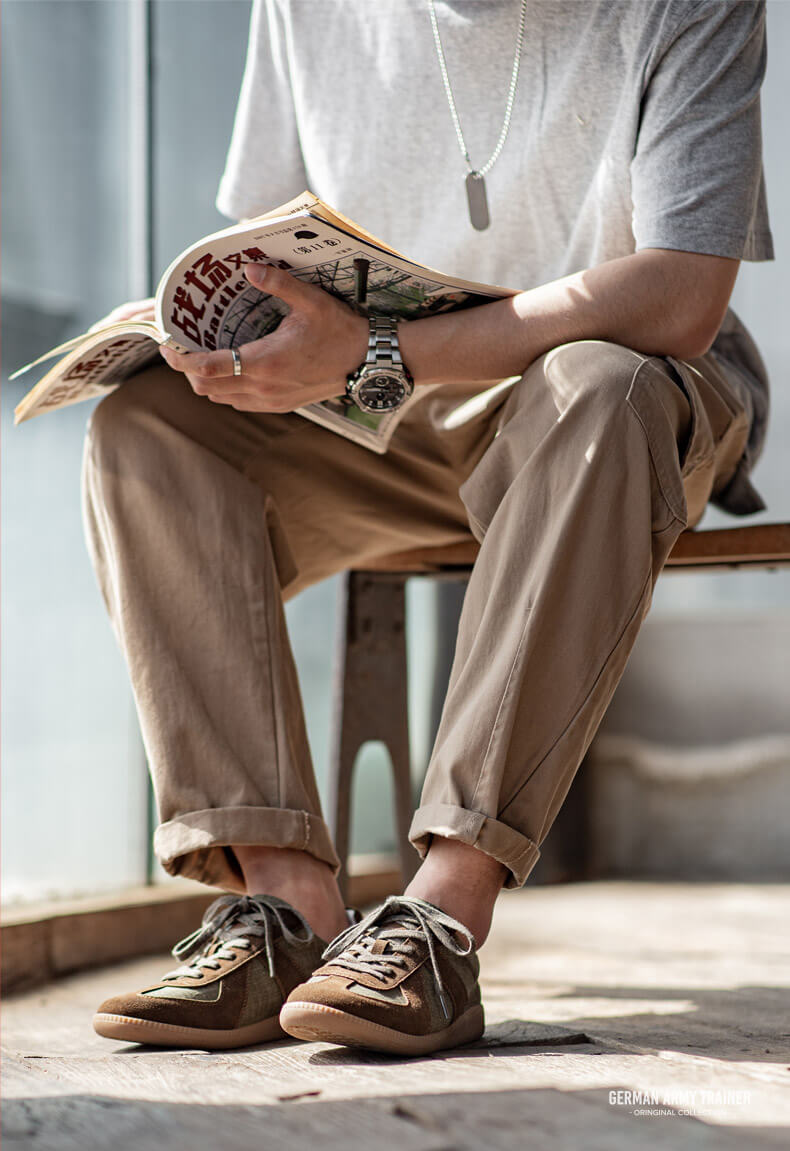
575 716
505 691
645 589
267 655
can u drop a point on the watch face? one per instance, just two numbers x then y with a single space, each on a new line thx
381 392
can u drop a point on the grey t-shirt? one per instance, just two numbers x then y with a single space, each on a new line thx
636 125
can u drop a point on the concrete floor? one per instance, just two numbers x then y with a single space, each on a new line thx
591 989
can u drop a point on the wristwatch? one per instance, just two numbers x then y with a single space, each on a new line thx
383 382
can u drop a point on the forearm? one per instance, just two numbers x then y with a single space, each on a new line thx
657 302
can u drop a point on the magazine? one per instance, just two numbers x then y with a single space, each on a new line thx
204 302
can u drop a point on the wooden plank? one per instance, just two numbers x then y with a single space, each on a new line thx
757 545
27 954
126 897
760 545
461 554
54 939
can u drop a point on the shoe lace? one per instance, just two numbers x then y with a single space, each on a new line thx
227 926
400 923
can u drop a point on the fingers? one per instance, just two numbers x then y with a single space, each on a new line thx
206 365
266 362
289 289
208 376
240 400
211 373
254 402
218 366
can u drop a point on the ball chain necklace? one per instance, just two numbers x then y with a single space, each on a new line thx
475 179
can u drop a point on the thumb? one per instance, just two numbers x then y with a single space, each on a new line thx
276 282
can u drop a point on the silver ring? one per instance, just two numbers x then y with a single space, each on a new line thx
236 361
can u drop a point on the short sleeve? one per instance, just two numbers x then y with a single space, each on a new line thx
696 176
264 166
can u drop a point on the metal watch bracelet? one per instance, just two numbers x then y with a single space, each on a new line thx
383 345
381 371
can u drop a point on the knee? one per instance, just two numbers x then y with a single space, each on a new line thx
593 392
593 374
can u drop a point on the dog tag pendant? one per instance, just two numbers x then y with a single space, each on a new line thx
478 201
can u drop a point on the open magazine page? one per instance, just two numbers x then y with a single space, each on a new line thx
309 202
205 303
98 364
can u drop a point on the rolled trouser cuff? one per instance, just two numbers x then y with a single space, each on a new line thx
512 849
196 845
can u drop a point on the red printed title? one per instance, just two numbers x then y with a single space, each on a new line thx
208 281
100 359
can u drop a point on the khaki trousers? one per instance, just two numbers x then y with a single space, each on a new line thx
200 519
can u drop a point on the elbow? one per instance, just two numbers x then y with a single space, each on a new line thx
693 336
689 294
695 322
691 345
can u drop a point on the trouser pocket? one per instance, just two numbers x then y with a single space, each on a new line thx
718 435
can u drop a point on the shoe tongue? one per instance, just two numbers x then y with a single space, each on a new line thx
385 946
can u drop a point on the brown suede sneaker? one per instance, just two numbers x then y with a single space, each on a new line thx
245 958
403 980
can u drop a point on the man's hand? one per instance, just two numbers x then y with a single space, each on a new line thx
306 360
659 302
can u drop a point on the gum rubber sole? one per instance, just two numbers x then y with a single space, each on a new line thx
316 1022
131 1030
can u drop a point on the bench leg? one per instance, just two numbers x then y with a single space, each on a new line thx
370 702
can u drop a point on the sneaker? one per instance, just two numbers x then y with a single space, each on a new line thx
239 967
404 980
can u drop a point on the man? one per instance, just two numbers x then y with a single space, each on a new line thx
624 189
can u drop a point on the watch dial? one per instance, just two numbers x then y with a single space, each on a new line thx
381 392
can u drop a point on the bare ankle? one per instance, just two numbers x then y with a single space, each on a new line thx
305 882
463 881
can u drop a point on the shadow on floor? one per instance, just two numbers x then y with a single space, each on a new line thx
514 1120
740 1024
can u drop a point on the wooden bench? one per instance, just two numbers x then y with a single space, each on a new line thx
371 667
